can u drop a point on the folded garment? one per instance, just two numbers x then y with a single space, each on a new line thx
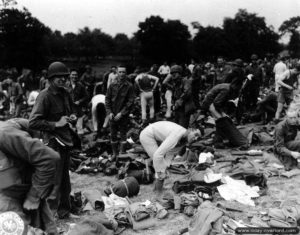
93 165
114 203
189 185
206 220
189 210
111 170
189 199
161 212
291 173
229 206
276 223
289 214
203 166
168 201
211 177
94 197
140 213
292 211
258 222
178 169
238 190
250 172
139 225
122 219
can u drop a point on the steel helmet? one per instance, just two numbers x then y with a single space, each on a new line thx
57 69
176 69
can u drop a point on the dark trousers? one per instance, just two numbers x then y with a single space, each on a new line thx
269 110
18 110
227 130
59 199
157 103
265 110
181 118
100 116
122 126
251 95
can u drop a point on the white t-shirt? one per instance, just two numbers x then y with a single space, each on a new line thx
164 69
191 67
279 69
97 99
112 77
32 98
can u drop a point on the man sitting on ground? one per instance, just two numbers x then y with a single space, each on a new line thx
287 148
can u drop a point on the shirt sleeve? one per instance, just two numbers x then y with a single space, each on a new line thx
221 98
108 101
284 75
37 119
130 100
43 159
108 81
169 143
31 99
187 90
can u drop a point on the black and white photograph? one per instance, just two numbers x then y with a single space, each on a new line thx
149 117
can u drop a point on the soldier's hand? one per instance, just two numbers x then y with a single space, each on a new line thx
118 117
295 155
111 116
29 205
62 121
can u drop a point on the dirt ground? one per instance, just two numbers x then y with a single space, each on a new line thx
281 191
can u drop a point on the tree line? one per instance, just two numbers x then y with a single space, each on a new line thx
27 42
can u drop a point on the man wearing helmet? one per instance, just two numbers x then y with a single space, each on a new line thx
51 115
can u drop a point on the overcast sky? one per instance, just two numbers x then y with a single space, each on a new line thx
123 16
